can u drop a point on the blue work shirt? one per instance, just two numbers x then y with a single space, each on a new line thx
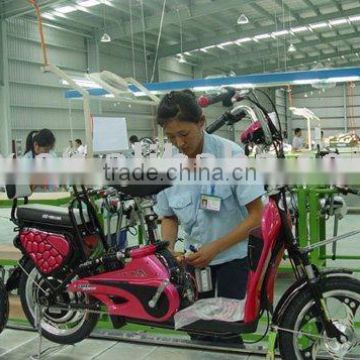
204 226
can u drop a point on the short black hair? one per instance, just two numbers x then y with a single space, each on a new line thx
133 139
179 105
297 130
78 141
45 138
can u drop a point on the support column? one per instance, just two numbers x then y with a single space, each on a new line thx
5 124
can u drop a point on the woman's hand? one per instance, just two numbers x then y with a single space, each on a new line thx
203 256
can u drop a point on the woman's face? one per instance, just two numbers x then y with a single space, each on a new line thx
186 136
41 149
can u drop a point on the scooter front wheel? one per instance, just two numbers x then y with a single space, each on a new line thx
305 337
4 306
62 326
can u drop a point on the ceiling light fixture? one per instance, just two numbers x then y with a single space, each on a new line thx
89 3
299 29
354 18
243 40
262 36
319 25
106 38
280 33
292 48
48 16
65 9
338 22
222 45
242 20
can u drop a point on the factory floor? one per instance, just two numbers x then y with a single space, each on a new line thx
21 345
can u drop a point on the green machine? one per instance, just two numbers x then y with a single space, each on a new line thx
316 205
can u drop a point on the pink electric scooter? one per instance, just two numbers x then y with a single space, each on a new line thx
60 274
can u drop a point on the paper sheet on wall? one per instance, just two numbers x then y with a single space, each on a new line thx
110 135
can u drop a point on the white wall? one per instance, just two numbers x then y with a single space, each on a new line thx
337 108
37 99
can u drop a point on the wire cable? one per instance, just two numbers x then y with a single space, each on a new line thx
158 41
132 40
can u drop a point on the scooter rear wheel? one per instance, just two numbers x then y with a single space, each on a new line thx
306 338
4 306
62 326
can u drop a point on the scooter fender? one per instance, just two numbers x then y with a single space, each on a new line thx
297 287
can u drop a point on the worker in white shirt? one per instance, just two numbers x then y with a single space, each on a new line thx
80 149
298 141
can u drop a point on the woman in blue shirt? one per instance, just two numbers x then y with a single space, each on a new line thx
219 236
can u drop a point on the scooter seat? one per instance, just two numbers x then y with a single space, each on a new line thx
48 215
138 190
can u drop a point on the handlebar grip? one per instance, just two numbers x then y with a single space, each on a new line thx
162 245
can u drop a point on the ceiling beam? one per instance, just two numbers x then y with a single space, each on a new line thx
233 59
171 17
292 63
188 46
16 8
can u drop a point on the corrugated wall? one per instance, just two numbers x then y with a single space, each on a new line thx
37 99
338 108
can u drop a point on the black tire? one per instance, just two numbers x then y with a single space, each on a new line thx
48 329
4 306
296 313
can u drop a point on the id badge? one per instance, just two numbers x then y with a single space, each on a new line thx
203 279
210 202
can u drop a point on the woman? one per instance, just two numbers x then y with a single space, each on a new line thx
220 237
40 142
42 145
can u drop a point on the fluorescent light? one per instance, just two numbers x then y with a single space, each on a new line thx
221 46
65 9
279 33
109 95
343 79
354 18
243 40
206 48
319 25
59 14
48 16
306 81
299 29
244 85
262 36
89 3
338 21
